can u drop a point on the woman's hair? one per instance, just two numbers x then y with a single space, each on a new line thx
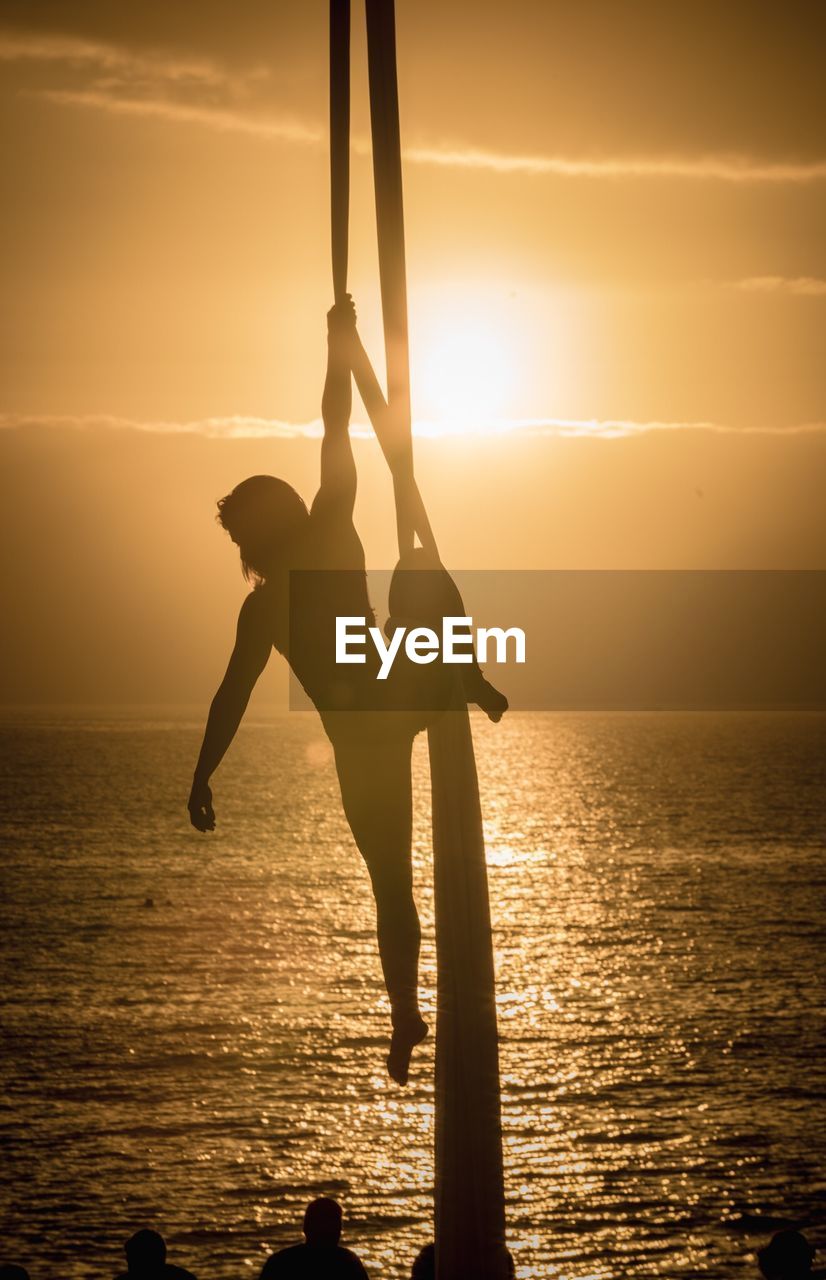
262 515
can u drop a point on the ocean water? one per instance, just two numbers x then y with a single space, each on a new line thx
193 1027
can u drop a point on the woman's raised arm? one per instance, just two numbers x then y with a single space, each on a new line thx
338 467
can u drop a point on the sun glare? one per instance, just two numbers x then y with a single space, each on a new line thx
463 373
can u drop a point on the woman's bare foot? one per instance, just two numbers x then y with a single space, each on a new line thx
407 1033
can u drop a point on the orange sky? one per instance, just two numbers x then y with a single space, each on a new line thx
629 197
614 218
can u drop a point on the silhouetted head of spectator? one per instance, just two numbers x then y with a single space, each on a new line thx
424 1268
322 1221
145 1252
11 1272
788 1256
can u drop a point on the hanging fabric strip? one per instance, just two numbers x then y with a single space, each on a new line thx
390 421
470 1214
387 179
469 1183
387 428
469 1190
339 141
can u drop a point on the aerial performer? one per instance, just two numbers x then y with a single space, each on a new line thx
371 723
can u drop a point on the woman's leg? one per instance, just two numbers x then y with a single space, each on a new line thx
422 592
374 776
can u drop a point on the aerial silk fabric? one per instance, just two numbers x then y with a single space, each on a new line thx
469 1190
339 142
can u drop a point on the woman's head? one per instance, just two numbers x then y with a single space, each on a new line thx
262 515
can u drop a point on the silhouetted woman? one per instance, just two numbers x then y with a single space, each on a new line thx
295 613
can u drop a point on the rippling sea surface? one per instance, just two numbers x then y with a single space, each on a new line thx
194 1026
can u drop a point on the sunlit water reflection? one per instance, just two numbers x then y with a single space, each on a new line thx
207 1063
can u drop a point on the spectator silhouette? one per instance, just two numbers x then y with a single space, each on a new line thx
146 1259
788 1256
11 1272
424 1267
321 1257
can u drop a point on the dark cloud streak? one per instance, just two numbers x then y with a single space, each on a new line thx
626 78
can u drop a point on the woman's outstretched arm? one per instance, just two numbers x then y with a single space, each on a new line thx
249 657
338 467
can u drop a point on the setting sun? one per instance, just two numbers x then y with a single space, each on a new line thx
464 372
